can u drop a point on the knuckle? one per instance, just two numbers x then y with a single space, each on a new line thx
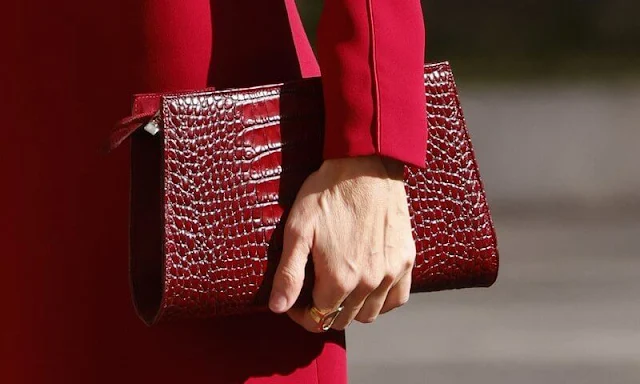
407 263
288 276
389 279
409 259
342 285
370 283
294 230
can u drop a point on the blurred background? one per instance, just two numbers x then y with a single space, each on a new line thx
551 92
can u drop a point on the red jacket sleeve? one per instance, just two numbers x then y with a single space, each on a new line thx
371 54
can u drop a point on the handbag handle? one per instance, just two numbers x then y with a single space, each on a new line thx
125 127
146 107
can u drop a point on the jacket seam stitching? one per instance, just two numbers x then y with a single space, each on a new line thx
375 81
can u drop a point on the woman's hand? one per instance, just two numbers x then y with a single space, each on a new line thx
352 217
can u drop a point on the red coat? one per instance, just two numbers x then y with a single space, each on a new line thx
68 316
371 54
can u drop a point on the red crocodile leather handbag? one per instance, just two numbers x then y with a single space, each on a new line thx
213 174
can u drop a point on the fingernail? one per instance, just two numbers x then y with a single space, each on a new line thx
278 302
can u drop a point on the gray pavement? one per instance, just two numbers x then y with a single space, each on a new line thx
565 309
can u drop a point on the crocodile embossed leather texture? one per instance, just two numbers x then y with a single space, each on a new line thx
211 194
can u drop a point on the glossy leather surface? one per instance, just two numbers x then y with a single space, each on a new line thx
211 194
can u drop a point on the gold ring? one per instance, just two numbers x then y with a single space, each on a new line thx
324 320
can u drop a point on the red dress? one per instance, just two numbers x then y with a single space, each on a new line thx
64 231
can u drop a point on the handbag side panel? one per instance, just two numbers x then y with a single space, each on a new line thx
146 226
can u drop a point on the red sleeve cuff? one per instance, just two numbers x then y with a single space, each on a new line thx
371 54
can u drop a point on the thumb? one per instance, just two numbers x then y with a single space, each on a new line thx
289 276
